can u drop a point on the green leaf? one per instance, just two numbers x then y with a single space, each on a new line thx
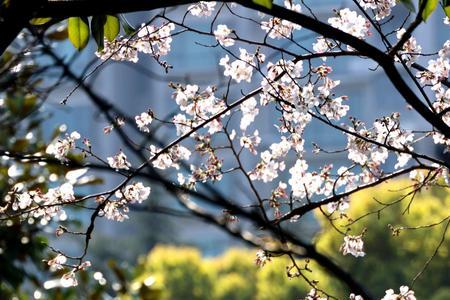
78 32
446 5
265 3
97 28
409 4
111 27
430 7
127 27
40 21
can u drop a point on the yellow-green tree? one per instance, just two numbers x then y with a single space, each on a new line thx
390 260
180 271
183 274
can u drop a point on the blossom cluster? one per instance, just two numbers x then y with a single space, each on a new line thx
45 205
410 49
370 146
62 147
117 209
242 68
277 28
119 161
350 22
438 69
202 8
170 158
68 279
150 39
382 8
222 34
405 294
353 245
197 106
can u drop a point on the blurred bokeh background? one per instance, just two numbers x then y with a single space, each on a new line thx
163 255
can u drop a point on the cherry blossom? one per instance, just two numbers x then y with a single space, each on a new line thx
199 106
57 263
115 210
154 40
322 45
405 294
69 279
445 50
119 161
202 8
24 200
341 205
222 34
249 112
62 147
150 39
120 49
278 28
314 295
261 258
134 193
169 159
410 50
241 69
47 205
304 183
63 193
143 120
382 8
251 142
353 245
355 297
350 22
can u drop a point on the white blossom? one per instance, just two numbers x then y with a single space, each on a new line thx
143 120
410 50
222 34
134 193
154 40
382 8
405 294
249 112
261 258
202 8
267 169
340 206
322 45
314 295
63 193
350 22
170 158
240 69
61 147
120 49
69 279
24 200
353 245
303 183
278 28
119 161
57 263
251 142
355 297
115 210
